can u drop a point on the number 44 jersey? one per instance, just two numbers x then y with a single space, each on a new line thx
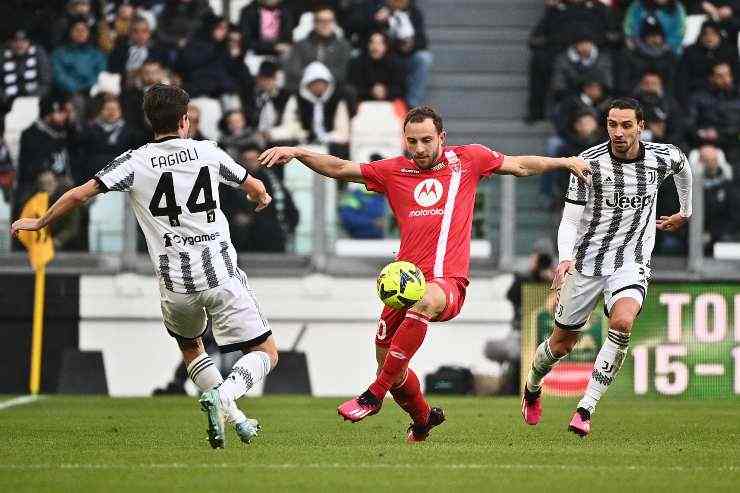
173 184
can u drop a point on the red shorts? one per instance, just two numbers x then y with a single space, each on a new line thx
390 319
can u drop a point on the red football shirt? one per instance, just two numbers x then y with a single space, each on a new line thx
434 207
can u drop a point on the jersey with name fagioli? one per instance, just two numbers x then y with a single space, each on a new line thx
617 227
434 207
173 185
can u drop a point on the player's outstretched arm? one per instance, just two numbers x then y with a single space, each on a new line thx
256 192
536 165
324 164
68 202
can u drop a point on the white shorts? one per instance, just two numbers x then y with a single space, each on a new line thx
580 294
232 307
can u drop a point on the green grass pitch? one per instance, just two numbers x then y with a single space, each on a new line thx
85 444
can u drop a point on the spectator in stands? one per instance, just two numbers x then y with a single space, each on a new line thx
317 114
131 53
239 70
7 167
194 118
209 68
77 64
103 140
404 23
267 26
650 52
376 75
584 132
670 13
719 217
180 20
269 98
236 134
44 146
132 99
270 230
583 59
664 117
724 12
710 48
591 97
552 35
322 45
77 10
714 113
25 71
362 213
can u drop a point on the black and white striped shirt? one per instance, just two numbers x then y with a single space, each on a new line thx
173 185
617 226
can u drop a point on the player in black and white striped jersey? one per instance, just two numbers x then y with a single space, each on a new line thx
605 241
173 186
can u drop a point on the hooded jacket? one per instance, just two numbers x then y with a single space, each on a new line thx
308 119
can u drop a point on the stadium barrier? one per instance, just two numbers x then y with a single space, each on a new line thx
685 344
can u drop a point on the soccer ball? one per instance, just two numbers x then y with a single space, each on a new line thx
401 284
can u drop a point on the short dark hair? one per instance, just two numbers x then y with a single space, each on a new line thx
164 107
626 104
422 113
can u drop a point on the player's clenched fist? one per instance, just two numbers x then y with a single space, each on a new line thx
278 155
24 224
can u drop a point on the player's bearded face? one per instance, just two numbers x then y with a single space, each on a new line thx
424 143
624 130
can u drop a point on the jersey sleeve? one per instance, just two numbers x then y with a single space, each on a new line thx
486 160
118 175
375 175
577 192
230 172
678 160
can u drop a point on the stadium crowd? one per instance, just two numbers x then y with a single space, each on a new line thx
286 72
294 72
585 52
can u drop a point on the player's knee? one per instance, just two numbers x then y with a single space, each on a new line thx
621 323
273 355
431 306
562 347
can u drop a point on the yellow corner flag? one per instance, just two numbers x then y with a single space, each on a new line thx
40 252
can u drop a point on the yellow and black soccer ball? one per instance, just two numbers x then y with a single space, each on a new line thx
401 284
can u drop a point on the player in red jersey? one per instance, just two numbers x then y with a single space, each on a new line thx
432 196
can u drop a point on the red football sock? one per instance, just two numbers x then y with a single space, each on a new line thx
405 343
408 395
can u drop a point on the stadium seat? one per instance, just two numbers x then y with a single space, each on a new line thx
693 28
375 130
210 114
107 82
106 223
24 112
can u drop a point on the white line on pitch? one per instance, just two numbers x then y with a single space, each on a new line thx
709 370
562 467
19 401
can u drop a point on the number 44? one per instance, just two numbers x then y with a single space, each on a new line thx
166 188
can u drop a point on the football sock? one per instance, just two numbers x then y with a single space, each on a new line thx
543 362
408 395
405 343
203 372
607 364
248 370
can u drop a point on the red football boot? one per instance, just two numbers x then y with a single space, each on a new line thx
419 433
360 407
532 406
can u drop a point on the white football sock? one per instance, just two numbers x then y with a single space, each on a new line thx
607 364
203 372
205 376
543 362
249 370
